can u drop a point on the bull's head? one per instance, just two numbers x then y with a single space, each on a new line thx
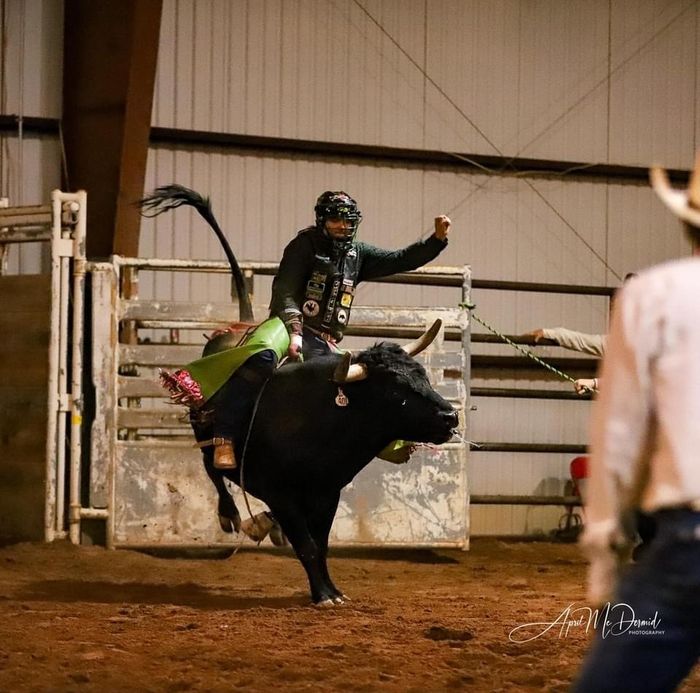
410 408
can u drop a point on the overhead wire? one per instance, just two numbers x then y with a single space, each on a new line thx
426 76
607 78
509 164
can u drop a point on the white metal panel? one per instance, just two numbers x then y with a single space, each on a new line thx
524 473
530 421
31 85
642 230
507 73
562 81
653 49
473 77
593 81
34 58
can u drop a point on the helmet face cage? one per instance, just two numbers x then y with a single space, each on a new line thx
338 205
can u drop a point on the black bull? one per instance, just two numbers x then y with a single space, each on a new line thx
304 448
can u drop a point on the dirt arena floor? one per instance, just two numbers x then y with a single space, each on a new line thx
87 619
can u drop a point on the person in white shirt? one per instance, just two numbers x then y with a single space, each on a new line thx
645 447
593 344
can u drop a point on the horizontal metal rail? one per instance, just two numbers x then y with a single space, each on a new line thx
427 276
485 338
235 545
30 224
566 364
559 448
525 393
525 500
540 287
31 215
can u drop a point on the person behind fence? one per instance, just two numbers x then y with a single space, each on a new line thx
584 343
645 439
321 267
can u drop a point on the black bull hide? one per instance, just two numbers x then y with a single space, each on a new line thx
304 448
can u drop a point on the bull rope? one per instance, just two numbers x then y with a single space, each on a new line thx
245 448
526 352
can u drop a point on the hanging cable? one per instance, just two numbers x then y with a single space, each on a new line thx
509 163
607 77
439 89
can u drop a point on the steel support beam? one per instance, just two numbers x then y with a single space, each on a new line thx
110 51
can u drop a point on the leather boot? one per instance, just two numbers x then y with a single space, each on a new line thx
224 457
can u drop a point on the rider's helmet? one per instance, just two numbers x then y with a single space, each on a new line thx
338 205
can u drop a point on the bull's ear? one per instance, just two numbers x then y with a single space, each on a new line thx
425 340
347 373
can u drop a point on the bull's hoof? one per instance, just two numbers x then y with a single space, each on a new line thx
277 535
226 524
339 600
325 603
230 524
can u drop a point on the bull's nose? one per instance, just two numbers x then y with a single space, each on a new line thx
451 418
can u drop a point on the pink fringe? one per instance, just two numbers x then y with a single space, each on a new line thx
183 388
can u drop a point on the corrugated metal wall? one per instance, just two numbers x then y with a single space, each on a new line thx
30 85
594 81
591 81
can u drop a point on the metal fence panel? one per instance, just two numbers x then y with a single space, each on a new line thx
161 494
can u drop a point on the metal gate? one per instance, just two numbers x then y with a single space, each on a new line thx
147 479
41 357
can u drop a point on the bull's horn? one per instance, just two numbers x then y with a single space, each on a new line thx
345 372
424 341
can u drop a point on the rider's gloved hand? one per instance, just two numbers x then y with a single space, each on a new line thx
294 350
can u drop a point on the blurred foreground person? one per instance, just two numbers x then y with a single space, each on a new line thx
645 439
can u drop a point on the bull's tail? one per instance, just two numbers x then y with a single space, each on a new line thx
172 196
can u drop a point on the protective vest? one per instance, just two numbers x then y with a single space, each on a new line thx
330 290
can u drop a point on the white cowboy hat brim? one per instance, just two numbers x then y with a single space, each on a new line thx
685 204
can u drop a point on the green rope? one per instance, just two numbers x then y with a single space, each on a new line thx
526 352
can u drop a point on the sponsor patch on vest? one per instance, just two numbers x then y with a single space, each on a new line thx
311 308
342 316
317 287
328 316
346 300
315 295
318 277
